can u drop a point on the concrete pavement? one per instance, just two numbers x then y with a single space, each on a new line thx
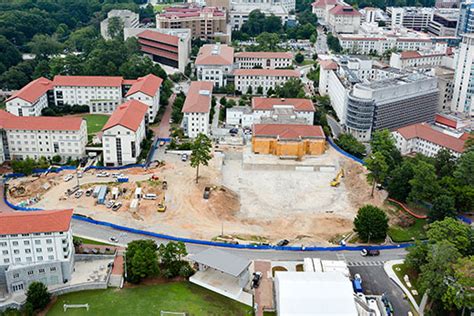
336 128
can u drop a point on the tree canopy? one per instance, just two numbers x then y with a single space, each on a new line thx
371 223
201 152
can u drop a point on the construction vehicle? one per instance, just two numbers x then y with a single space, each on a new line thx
337 180
161 204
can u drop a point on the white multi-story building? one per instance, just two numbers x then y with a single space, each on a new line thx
128 18
35 246
37 136
421 59
410 17
31 99
427 140
265 78
464 78
265 60
196 108
240 10
321 9
214 63
123 134
147 90
344 19
84 90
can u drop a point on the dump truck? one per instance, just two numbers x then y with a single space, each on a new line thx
337 180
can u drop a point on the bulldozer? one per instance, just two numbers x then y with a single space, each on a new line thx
161 204
337 180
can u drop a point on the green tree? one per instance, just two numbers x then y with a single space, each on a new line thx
38 296
44 46
299 58
349 143
171 259
223 101
424 185
417 256
469 143
399 186
460 291
115 28
268 41
141 260
371 223
382 141
290 89
378 169
259 90
333 43
443 206
454 232
464 172
444 163
9 54
201 152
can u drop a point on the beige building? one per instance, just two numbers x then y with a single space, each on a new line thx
265 78
265 60
207 23
344 19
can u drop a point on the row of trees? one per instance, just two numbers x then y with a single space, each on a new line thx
144 259
443 184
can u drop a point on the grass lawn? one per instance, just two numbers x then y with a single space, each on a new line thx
150 300
95 122
416 231
401 270
93 242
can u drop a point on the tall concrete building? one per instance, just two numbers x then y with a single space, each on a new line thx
464 78
410 17
128 18
466 18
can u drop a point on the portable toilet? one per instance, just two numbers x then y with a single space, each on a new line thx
138 193
102 194
115 193
134 205
96 191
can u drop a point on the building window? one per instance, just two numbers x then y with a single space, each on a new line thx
26 242
49 241
52 269
16 275
40 258
30 272
41 270
15 243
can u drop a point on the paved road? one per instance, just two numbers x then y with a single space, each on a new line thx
321 44
334 125
376 282
163 129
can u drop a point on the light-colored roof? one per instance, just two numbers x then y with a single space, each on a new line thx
157 36
328 64
35 222
39 123
33 91
267 72
344 10
87 81
198 99
426 132
315 294
129 115
215 54
288 131
148 85
269 103
223 261
267 55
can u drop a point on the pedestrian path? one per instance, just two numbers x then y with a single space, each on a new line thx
365 263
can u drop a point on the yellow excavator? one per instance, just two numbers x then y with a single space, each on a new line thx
337 180
161 204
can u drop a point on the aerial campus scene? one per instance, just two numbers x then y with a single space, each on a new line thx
234 157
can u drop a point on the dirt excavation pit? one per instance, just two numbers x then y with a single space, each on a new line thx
247 205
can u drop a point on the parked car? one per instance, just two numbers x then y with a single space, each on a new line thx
68 177
118 175
116 206
282 243
257 276
234 131
113 239
89 191
149 196
184 157
79 174
161 143
207 192
110 203
78 194
369 252
103 174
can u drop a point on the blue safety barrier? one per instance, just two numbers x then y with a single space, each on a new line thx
331 142
166 140
138 165
465 219
13 175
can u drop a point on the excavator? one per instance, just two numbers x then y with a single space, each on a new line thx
337 180
161 204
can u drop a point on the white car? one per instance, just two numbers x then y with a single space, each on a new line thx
103 174
68 177
78 194
110 203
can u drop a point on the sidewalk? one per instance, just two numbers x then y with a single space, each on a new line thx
388 267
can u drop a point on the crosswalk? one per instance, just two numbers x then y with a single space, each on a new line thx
364 263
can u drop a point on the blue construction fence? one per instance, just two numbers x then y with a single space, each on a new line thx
331 142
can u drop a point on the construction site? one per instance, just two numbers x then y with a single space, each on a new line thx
240 197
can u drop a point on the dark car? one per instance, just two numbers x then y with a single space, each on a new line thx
369 252
282 243
234 131
257 276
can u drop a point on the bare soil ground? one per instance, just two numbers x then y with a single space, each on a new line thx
246 204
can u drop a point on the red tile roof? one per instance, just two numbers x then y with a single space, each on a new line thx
159 52
328 64
39 123
159 37
129 115
426 132
323 3
148 85
409 54
33 91
211 54
267 72
198 99
288 131
161 46
269 103
87 81
344 10
35 222
267 55
446 121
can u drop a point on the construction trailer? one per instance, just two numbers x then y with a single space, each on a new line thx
102 194
96 191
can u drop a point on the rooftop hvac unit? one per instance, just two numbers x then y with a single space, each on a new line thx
205 92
